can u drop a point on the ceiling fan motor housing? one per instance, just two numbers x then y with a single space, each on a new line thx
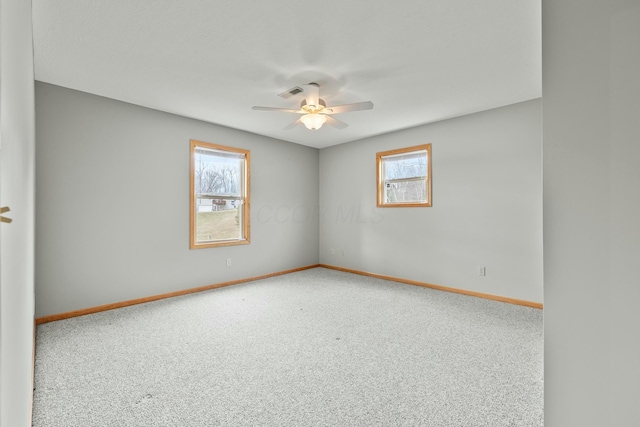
321 104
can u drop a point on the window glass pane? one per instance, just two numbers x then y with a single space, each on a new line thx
406 191
218 173
407 165
219 220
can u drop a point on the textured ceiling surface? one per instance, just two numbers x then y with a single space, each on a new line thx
418 61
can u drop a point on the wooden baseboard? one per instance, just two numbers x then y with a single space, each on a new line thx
438 287
105 307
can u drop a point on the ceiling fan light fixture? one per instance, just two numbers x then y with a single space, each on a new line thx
313 121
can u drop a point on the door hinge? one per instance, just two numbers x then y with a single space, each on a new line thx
3 219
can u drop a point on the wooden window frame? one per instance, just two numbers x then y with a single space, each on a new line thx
380 183
245 197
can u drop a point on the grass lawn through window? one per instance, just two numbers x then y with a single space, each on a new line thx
219 225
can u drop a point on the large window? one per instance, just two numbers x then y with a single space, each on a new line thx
404 177
219 195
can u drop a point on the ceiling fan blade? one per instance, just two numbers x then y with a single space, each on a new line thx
293 125
345 108
335 122
286 110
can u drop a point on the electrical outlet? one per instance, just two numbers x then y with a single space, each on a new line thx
482 271
228 262
343 252
332 251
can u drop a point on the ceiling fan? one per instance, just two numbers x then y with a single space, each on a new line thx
314 112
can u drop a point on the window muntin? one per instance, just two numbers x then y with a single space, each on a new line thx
404 177
219 195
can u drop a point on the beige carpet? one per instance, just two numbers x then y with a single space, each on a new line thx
313 348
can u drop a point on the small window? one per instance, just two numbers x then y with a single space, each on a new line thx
219 195
404 177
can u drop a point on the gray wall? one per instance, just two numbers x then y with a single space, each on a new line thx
17 190
591 104
487 206
113 203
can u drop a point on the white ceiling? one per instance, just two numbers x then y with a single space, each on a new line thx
418 61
